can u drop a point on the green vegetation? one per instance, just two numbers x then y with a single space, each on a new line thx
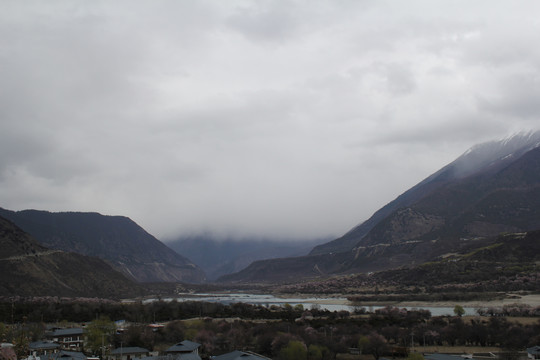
415 356
459 310
98 333
295 350
317 352
277 332
363 344
485 248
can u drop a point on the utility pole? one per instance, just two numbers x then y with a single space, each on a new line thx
102 346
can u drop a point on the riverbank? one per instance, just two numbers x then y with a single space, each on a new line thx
531 300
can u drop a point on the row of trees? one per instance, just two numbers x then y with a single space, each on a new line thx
282 332
377 334
52 310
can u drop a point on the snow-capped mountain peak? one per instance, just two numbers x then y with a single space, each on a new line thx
485 154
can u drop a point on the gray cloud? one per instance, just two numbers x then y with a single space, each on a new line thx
291 119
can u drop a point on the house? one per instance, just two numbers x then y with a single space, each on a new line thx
184 356
533 352
129 353
64 355
188 356
39 348
184 347
71 339
240 355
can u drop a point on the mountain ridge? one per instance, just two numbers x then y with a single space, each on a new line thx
490 156
115 239
454 205
30 269
219 257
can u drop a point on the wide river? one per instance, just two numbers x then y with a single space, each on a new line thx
328 303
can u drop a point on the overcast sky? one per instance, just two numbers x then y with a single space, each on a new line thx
287 119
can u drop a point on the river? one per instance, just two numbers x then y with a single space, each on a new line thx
327 303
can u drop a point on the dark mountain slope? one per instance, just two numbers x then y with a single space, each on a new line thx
480 270
484 204
447 211
289 269
488 158
221 257
116 239
507 257
359 260
351 238
29 269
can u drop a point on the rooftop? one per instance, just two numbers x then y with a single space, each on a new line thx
184 346
41 345
66 332
64 355
239 355
129 350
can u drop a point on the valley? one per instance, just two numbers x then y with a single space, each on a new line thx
455 257
269 180
467 232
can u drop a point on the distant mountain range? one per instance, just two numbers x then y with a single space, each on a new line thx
29 269
493 188
117 240
218 257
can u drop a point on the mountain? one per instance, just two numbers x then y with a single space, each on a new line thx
218 257
506 256
485 158
480 270
115 239
491 189
29 269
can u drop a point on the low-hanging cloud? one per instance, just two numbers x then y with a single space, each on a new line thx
252 119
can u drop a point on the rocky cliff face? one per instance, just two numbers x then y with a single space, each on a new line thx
404 225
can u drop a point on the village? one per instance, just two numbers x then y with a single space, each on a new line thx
251 332
69 343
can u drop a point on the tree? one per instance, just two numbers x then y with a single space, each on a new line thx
295 350
315 352
377 345
20 342
99 334
459 310
363 344
415 356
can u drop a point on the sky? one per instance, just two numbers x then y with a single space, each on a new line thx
274 119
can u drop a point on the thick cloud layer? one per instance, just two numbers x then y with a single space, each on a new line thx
289 119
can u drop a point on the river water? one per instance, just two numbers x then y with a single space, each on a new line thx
327 303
